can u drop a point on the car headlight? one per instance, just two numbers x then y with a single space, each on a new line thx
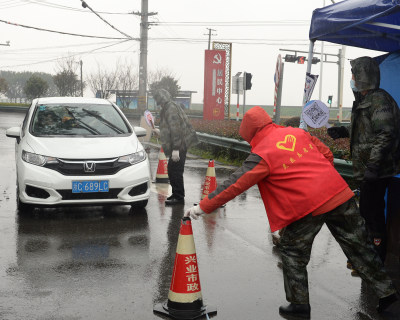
133 157
37 159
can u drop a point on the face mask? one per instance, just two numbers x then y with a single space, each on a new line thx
353 85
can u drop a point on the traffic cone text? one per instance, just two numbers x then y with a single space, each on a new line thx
185 300
210 183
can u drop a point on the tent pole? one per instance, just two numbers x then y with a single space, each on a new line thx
342 54
321 65
303 125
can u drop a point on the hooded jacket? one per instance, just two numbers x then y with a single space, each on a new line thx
293 170
175 129
375 123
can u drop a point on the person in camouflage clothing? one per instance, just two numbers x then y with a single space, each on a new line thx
177 135
301 191
374 145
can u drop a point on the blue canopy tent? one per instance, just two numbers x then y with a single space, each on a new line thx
369 24
375 25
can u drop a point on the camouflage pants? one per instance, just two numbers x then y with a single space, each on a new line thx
348 228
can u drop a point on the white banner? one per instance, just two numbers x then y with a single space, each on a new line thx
311 80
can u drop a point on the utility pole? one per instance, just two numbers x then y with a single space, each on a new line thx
144 26
81 63
209 36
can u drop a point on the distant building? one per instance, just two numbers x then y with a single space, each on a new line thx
129 99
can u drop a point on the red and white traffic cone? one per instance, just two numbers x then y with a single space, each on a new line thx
162 168
210 183
185 300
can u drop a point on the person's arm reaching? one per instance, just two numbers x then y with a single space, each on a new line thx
253 170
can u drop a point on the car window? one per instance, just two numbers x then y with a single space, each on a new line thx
78 120
25 122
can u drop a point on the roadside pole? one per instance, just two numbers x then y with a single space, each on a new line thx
237 107
278 68
279 97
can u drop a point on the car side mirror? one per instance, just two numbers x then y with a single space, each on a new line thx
14 132
140 132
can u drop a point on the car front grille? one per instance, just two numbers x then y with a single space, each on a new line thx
98 167
68 195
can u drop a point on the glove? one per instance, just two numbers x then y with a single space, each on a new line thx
194 212
338 132
175 156
371 173
156 131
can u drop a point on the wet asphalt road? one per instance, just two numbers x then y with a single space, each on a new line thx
115 263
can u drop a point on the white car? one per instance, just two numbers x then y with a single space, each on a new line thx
79 151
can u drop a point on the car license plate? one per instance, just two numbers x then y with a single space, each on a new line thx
89 186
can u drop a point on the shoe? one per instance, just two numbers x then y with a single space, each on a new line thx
296 310
170 197
386 302
174 201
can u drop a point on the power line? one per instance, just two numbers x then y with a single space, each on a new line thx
61 32
45 50
59 6
58 58
85 5
11 4
237 23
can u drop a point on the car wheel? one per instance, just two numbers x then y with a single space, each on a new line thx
139 204
23 207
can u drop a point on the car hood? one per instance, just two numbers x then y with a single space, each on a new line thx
83 148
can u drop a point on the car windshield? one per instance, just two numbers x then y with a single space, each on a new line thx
77 120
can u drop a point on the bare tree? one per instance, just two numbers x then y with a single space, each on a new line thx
163 78
3 86
103 82
66 80
126 84
158 74
35 87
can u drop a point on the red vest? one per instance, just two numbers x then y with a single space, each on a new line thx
301 179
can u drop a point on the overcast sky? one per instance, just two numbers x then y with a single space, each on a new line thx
257 29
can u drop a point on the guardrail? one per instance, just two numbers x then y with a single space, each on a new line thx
14 109
344 167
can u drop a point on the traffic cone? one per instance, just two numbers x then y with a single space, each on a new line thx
184 298
210 183
162 168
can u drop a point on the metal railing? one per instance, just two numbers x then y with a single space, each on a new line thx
344 167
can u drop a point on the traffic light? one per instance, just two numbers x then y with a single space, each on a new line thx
301 59
247 81
290 58
330 99
315 60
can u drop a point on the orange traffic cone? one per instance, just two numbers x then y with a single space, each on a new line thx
210 183
184 298
162 168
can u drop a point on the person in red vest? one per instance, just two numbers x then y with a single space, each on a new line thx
301 191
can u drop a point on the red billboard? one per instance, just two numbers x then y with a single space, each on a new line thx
214 85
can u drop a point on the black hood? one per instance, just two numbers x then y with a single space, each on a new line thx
366 73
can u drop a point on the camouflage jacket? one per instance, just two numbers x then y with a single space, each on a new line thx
175 129
375 134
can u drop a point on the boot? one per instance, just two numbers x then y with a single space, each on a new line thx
386 302
296 310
